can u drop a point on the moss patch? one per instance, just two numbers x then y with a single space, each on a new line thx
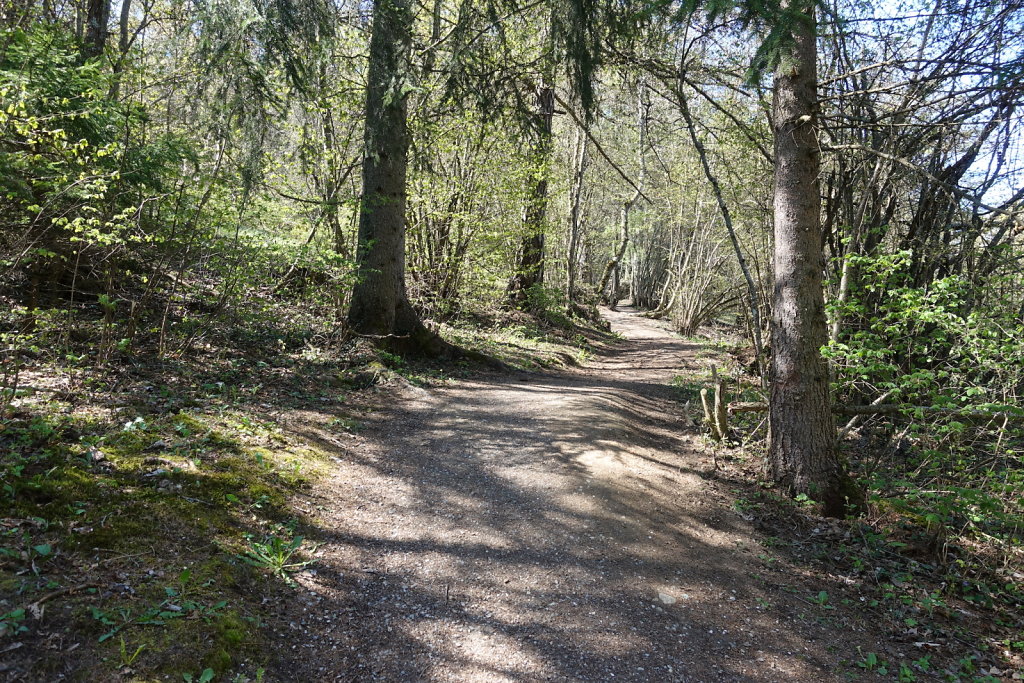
133 531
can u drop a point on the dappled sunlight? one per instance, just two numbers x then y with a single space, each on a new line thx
602 463
544 526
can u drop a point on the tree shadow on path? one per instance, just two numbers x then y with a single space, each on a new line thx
543 527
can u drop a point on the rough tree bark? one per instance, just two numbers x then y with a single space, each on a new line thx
380 307
531 261
802 455
97 27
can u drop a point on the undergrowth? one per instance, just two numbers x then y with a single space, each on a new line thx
937 563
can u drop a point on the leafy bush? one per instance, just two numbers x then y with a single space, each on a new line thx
548 303
926 346
73 183
956 364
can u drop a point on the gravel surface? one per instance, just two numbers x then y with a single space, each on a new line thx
541 527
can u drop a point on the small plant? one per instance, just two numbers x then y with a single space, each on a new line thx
276 555
821 599
932 601
10 370
391 360
871 662
205 677
34 554
138 424
345 424
967 665
1015 645
106 618
10 623
128 659
804 501
906 674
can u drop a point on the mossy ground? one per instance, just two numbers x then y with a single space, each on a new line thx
137 530
530 343
140 502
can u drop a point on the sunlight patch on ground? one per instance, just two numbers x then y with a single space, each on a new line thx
602 463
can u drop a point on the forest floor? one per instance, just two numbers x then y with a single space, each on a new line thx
565 526
243 518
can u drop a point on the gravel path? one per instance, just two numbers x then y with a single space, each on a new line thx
555 527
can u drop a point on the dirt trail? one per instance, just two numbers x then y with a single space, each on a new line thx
541 527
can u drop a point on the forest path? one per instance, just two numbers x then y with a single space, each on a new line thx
534 527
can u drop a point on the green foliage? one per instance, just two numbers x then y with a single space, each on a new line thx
127 659
277 555
951 359
775 21
927 345
72 174
11 622
183 214
873 663
77 487
205 676
821 600
548 303
247 41
460 243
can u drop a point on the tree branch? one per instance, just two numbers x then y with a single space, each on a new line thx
586 129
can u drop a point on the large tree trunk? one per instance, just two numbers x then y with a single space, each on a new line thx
802 454
97 27
531 260
380 308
